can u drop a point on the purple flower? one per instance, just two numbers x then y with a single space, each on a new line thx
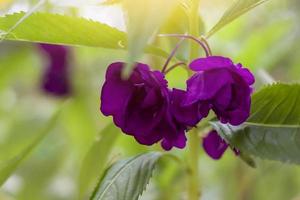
221 85
140 106
56 76
215 146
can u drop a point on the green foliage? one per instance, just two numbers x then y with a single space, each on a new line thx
95 160
237 9
257 49
144 18
60 29
127 179
8 167
272 130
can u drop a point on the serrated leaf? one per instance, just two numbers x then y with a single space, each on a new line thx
9 166
127 179
61 29
67 30
144 18
273 128
95 160
237 9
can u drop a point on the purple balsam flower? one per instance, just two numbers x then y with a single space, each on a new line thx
140 106
221 85
56 80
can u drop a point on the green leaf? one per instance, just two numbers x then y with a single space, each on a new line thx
9 166
273 128
144 18
237 9
95 161
67 30
61 29
127 179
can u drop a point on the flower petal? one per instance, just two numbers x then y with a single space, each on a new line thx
214 145
188 115
115 93
202 64
205 85
246 74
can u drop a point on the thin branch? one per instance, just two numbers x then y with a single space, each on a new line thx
174 66
201 43
171 55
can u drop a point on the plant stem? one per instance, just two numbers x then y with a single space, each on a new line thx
194 26
201 41
174 66
164 69
194 141
193 160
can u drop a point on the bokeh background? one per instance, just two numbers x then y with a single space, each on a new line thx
266 40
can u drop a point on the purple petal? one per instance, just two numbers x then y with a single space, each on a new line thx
56 77
208 63
205 85
214 145
56 82
246 74
189 115
115 93
223 97
179 142
173 137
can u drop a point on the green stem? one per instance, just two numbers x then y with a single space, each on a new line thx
193 160
194 26
194 140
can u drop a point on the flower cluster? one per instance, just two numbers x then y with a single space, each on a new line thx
56 76
143 106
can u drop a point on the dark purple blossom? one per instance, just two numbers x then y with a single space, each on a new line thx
221 85
144 107
140 106
215 146
56 80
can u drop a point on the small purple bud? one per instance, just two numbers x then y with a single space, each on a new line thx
214 145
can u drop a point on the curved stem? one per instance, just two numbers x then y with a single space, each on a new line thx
201 43
202 38
194 191
171 56
174 66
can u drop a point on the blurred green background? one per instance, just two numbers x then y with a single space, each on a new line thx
266 40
